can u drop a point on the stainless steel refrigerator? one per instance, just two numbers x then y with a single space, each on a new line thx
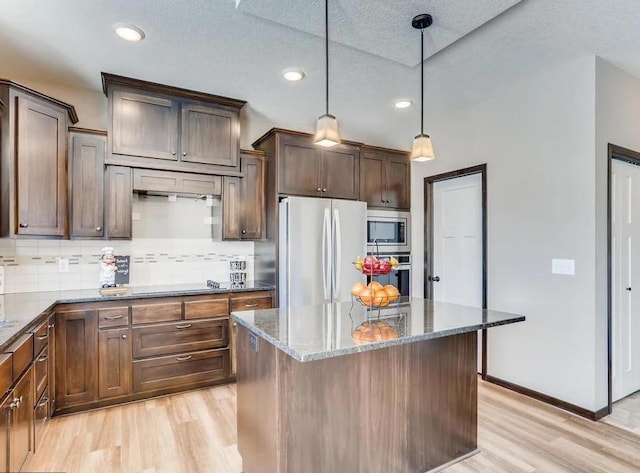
319 241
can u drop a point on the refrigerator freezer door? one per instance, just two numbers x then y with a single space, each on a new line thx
303 222
349 230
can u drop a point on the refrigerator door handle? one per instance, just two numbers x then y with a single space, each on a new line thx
326 253
337 261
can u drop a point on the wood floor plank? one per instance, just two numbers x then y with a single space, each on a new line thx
195 432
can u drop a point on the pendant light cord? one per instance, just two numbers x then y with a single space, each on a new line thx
421 81
326 50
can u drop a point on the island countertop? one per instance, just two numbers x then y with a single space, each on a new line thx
324 331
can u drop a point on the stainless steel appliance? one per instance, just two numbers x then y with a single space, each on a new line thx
319 241
400 277
390 229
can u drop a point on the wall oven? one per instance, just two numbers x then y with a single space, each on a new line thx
388 231
400 277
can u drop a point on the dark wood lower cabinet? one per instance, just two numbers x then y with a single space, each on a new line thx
21 424
40 413
5 420
114 362
180 370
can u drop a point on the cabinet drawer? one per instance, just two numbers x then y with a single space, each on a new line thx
180 337
22 354
206 309
158 312
180 370
41 373
113 317
41 414
251 301
6 374
40 337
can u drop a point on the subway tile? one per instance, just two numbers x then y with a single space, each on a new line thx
26 243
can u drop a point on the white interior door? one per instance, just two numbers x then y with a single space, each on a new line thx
457 243
625 291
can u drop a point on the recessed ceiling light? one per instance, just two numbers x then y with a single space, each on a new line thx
402 103
128 32
293 74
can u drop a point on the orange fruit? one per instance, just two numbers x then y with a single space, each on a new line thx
357 287
366 296
375 285
392 292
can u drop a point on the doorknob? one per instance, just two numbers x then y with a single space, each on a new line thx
434 278
628 289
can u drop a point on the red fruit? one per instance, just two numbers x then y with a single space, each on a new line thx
385 266
368 264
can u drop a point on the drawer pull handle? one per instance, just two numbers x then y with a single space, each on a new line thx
183 358
45 401
52 326
113 317
42 337
251 304
183 326
43 358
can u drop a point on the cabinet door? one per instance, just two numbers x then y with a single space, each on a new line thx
252 193
87 184
398 174
209 135
5 418
299 167
41 160
21 434
231 208
144 125
372 182
114 362
76 357
52 364
119 193
341 173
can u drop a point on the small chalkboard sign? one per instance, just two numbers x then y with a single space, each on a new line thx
122 270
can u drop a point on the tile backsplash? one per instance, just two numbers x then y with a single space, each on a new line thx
32 265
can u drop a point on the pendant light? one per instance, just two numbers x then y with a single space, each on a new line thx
327 132
422 149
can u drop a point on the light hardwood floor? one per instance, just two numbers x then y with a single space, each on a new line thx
626 413
195 432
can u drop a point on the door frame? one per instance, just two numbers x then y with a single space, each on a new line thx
428 238
632 157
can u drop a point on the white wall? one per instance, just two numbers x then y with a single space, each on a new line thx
618 123
537 139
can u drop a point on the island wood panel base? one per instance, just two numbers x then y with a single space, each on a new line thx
406 409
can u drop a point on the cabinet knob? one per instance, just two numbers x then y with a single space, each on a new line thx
324 189
173 153
124 337
244 232
318 189
98 229
23 225
184 153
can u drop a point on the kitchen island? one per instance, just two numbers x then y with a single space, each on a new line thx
314 399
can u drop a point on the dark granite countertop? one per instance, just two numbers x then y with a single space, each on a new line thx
324 331
23 309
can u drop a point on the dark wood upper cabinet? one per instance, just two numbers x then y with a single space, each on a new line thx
87 183
244 200
385 180
162 127
144 125
119 194
309 170
33 162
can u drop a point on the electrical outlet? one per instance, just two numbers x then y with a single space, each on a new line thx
563 266
63 265
1 279
135 216
172 198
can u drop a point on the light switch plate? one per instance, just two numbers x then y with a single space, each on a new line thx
135 216
1 279
563 266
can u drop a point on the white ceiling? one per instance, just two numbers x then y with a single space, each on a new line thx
211 46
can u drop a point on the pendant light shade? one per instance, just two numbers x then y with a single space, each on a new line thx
422 149
327 132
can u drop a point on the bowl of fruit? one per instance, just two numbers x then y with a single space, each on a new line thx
372 266
375 294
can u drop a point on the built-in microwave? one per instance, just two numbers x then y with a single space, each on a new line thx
388 231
